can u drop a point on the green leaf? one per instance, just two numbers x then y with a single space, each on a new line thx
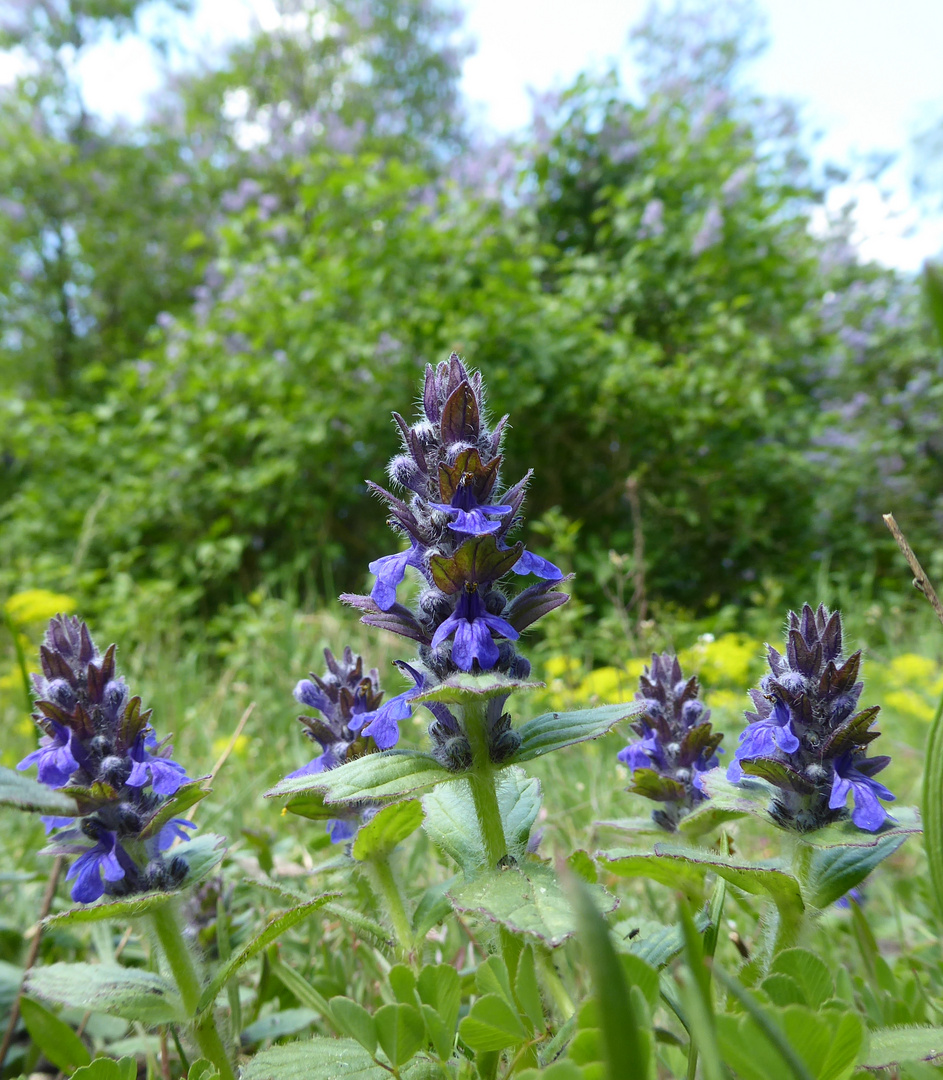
107 1069
653 942
559 1070
553 731
440 1034
827 873
681 867
527 990
314 1059
403 984
931 806
893 1046
401 1031
354 1020
201 1069
626 1042
186 796
274 1026
274 929
492 978
810 973
782 990
824 1046
386 829
582 864
53 1036
452 823
127 992
202 854
25 793
434 905
492 1024
636 826
706 818
459 688
373 776
311 805
526 899
750 796
440 988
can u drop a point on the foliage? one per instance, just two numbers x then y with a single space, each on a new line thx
642 287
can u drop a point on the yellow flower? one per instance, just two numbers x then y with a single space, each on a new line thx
37 605
607 684
909 668
239 748
909 703
730 701
724 660
558 666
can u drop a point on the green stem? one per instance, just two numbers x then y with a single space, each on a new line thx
553 985
481 779
180 959
387 891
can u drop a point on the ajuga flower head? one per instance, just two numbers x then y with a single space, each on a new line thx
676 741
352 723
807 737
99 747
456 520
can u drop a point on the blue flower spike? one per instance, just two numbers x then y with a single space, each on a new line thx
676 745
807 736
95 739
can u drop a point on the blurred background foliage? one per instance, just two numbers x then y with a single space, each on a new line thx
206 318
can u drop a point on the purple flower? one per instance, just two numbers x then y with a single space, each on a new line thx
167 777
54 757
96 736
470 517
175 829
50 823
642 754
857 777
341 829
382 725
390 571
762 738
677 742
450 464
472 625
98 863
529 563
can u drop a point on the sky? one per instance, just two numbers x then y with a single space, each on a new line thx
867 73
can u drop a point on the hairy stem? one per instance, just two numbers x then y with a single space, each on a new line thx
481 780
167 926
387 892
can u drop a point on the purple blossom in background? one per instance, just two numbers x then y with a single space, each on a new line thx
96 738
653 219
807 737
710 232
677 742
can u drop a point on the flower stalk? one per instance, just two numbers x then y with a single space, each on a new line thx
166 923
